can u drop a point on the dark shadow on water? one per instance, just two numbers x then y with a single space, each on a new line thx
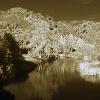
78 90
23 68
6 95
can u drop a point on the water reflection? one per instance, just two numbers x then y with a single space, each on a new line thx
90 69
53 81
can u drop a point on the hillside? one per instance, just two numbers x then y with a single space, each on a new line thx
39 36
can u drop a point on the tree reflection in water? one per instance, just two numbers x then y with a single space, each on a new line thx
56 81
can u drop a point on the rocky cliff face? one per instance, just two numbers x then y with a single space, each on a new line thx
38 37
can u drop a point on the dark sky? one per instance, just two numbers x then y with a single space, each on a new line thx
59 9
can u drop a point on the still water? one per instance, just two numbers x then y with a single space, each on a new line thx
61 80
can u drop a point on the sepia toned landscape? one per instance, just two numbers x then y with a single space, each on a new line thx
46 59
